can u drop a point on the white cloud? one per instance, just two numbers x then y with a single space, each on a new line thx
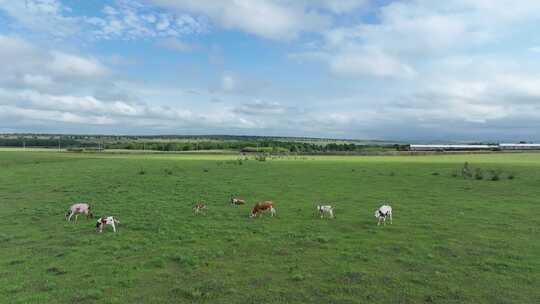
43 108
369 62
259 107
28 65
126 20
418 31
274 19
15 53
177 45
69 65
163 23
41 15
38 117
40 81
110 11
50 87
228 83
338 6
266 18
134 20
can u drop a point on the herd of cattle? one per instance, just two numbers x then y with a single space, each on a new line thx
384 212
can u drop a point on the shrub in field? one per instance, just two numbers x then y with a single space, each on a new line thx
78 150
352 276
435 174
156 263
466 171
141 171
56 271
478 174
5 238
322 239
168 171
196 293
88 295
511 175
126 283
188 293
454 174
298 277
495 175
185 260
49 286
218 253
14 287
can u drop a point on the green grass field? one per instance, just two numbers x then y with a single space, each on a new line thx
453 240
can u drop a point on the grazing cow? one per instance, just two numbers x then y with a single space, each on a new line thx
325 209
80 208
237 201
200 206
382 213
262 206
109 220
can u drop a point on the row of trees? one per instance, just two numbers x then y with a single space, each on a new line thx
267 146
246 146
39 142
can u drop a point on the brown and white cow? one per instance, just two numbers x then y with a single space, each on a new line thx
237 201
200 206
80 208
106 220
263 206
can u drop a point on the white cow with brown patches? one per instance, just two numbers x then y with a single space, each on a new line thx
236 201
109 220
80 208
200 206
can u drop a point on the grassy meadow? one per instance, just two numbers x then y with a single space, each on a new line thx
453 240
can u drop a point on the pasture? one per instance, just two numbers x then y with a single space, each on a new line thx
453 240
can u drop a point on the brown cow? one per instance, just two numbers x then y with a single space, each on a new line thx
262 206
200 206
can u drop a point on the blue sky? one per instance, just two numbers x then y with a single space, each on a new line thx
398 70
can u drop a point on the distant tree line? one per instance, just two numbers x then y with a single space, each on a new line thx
242 144
39 142
267 146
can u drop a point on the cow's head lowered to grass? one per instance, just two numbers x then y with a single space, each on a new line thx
263 206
